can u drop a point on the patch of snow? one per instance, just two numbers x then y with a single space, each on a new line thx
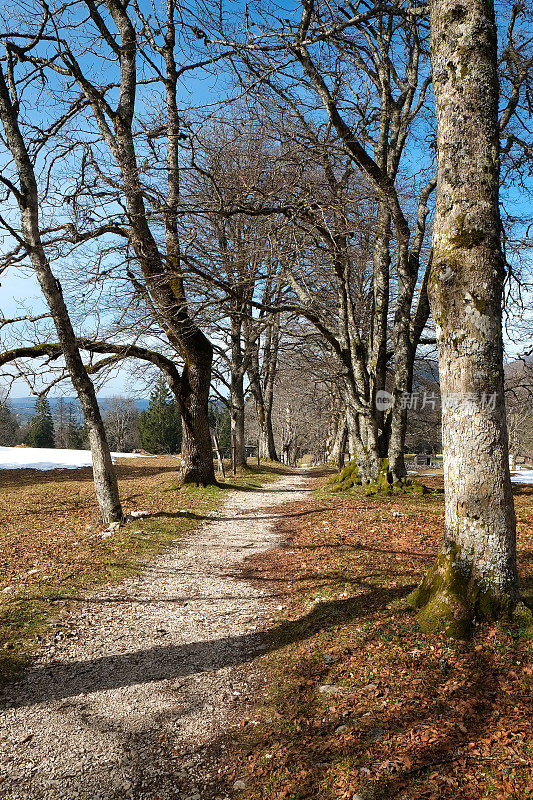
522 476
43 458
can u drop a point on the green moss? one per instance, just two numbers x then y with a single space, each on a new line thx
453 16
522 617
382 483
440 615
384 486
450 599
347 478
466 239
442 596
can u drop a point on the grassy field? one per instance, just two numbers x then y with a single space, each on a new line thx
360 704
53 546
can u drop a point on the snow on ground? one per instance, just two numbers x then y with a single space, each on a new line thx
522 476
48 458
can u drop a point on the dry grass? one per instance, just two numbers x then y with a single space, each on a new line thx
51 542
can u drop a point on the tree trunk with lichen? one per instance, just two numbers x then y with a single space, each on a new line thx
474 576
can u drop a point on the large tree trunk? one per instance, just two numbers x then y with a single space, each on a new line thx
197 448
380 310
263 392
362 436
267 444
399 411
475 574
337 440
105 482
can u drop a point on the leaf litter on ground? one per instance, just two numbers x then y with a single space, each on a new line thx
361 703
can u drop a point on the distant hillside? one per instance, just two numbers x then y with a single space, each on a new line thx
24 407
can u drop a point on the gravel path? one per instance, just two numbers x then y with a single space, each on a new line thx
137 686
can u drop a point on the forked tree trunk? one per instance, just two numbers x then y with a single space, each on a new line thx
337 445
263 404
399 415
343 440
237 391
196 448
105 482
475 574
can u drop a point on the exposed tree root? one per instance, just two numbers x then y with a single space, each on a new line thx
346 479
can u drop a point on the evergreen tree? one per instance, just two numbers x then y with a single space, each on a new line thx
8 426
160 424
41 428
75 437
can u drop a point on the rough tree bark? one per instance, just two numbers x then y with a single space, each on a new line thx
475 574
193 400
105 482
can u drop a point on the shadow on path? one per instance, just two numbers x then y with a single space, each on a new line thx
61 680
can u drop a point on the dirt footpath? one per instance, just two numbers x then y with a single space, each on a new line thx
133 694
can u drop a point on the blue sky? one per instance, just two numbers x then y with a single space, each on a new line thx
20 293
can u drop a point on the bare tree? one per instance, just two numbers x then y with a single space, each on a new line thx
236 256
262 372
367 69
519 403
29 240
121 419
130 162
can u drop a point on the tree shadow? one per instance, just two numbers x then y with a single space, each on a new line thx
450 720
232 517
522 489
57 681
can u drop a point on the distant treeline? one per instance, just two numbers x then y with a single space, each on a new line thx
153 425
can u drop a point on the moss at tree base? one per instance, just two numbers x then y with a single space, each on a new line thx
450 599
346 479
383 488
383 485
